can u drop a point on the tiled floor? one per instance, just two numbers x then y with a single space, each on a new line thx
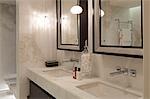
7 96
3 86
5 92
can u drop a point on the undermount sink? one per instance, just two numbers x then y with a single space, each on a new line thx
57 73
104 91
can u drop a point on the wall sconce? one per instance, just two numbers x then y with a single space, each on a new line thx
76 9
102 13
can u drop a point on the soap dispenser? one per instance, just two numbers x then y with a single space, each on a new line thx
86 62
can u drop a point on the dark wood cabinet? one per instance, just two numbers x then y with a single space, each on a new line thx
37 92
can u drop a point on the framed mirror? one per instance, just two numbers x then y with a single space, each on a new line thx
72 24
118 27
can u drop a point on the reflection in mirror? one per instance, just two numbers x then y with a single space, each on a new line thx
121 23
69 23
72 24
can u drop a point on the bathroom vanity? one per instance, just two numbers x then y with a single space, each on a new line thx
36 92
58 83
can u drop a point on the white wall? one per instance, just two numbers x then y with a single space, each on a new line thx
7 39
36 40
146 49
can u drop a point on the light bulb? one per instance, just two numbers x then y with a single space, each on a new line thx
76 9
102 13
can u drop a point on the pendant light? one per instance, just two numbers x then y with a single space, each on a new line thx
76 9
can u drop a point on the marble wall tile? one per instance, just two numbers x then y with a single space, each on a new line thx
37 38
7 39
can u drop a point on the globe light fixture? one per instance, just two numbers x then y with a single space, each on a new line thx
76 9
102 13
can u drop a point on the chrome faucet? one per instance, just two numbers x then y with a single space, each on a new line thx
71 60
125 71
119 71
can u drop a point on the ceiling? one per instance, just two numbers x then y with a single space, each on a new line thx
8 2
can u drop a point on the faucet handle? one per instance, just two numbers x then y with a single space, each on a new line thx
124 70
132 72
118 68
74 60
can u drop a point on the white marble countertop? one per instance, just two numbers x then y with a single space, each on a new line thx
60 87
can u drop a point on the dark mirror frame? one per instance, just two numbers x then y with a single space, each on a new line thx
82 22
126 54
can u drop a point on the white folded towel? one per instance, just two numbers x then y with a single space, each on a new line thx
125 37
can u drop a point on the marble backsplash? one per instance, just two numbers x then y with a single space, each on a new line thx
103 65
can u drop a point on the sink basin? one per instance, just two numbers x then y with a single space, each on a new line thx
104 91
57 73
